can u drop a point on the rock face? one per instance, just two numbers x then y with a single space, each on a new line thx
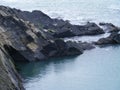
60 28
77 30
31 36
19 38
9 78
60 48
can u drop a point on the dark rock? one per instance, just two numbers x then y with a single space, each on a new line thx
9 78
114 38
81 45
69 30
16 55
117 38
109 27
104 41
61 48
62 28
86 46
63 34
92 29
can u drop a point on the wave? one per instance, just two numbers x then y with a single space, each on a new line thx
115 7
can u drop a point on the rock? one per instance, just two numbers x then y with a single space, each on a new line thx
26 40
9 78
114 38
117 38
69 30
30 36
109 27
62 28
92 29
74 48
86 46
81 45
63 34
20 38
104 41
60 48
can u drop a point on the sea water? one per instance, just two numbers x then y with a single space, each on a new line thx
77 11
97 69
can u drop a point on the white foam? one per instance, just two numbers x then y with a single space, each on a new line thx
9 0
114 7
87 38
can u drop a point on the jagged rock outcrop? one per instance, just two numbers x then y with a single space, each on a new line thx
17 35
9 78
31 36
77 30
59 28
25 41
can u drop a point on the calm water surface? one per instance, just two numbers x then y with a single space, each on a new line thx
98 69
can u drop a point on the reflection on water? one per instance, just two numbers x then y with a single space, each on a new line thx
39 69
98 69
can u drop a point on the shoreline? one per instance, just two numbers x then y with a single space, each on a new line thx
34 36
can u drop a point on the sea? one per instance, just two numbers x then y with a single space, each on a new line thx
97 69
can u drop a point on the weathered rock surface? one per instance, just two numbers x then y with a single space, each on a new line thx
77 30
60 28
31 36
60 48
9 78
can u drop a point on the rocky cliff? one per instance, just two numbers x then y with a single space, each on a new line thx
24 40
32 36
9 78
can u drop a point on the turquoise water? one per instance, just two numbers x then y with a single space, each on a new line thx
98 69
